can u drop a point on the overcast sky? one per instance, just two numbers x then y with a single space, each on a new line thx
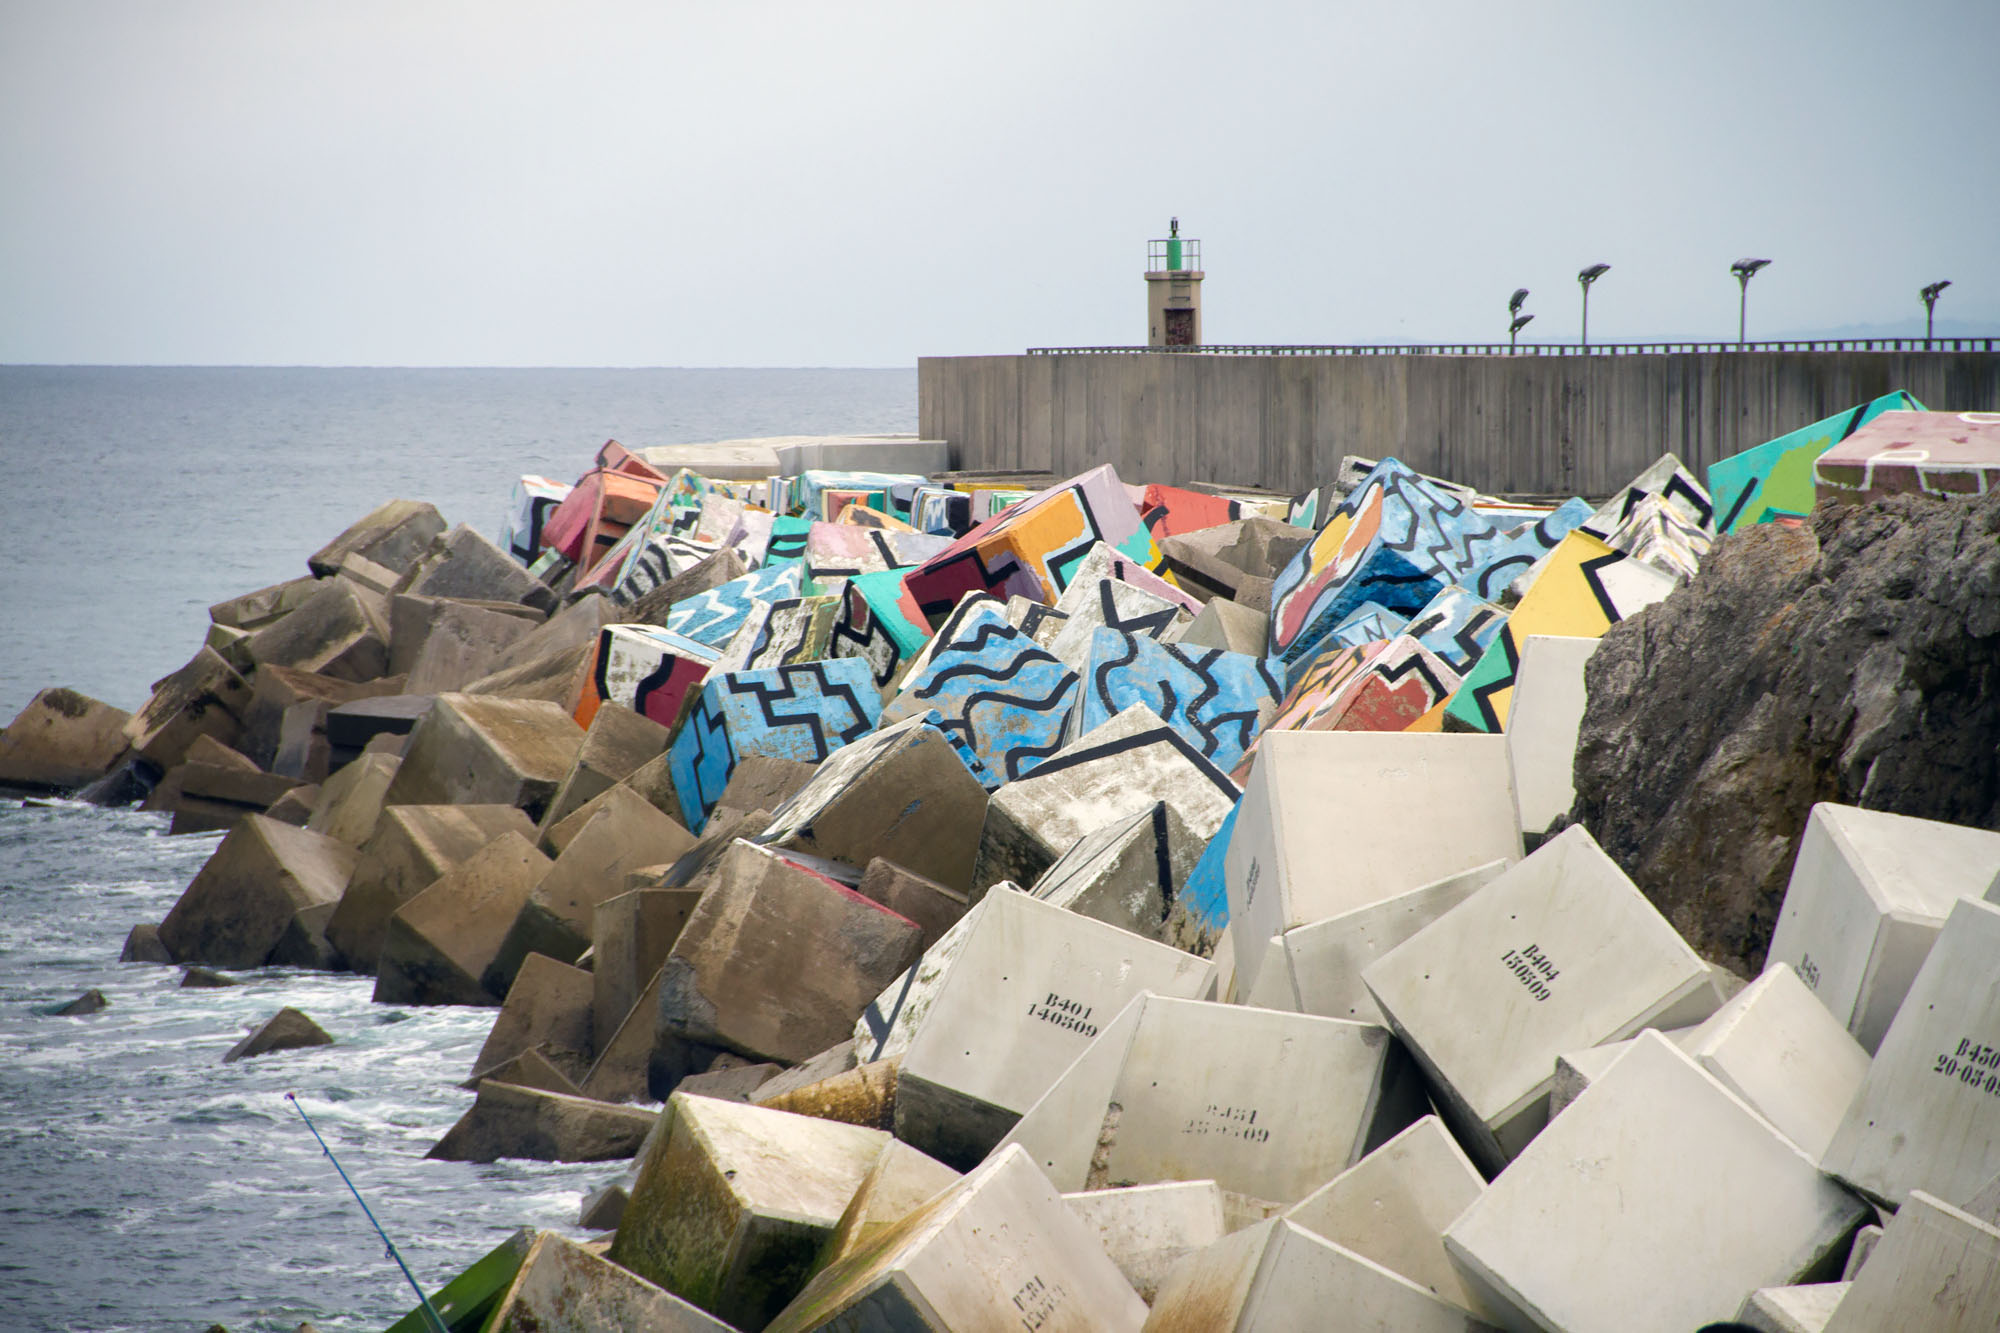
412 182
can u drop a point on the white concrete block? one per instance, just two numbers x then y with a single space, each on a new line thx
1263 1103
1147 1229
885 1028
1394 1204
1775 1046
1803 1309
1279 1276
999 1250
1324 960
1559 953
1937 1268
1542 724
1336 820
1865 1241
1867 896
1274 988
1651 1205
1928 1114
1029 989
1127 873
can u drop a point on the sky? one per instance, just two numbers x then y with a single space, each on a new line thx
450 182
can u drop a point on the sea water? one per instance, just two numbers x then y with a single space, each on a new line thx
144 1184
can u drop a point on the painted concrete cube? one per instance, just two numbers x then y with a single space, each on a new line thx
1218 700
713 617
1775 479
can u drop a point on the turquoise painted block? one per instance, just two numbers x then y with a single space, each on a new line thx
805 712
1775 479
1204 899
1218 700
879 622
713 617
788 540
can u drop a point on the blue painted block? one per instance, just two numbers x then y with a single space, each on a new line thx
1204 899
1457 626
1366 623
1218 700
713 617
805 712
1002 696
1513 552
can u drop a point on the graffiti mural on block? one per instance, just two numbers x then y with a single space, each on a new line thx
1218 700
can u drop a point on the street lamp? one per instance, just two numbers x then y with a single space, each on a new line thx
1930 295
1745 269
1588 276
1520 321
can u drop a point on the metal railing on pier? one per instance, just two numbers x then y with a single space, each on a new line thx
1536 349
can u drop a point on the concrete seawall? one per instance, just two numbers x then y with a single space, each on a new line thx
1582 423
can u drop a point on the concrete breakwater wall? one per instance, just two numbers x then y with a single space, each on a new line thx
1581 424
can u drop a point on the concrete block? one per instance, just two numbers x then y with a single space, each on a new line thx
1667 481
351 726
557 917
648 670
998 1249
1541 736
1263 1103
901 1181
615 744
1147 1229
1393 1206
1276 1274
463 564
1912 453
1457 626
902 793
1218 700
461 642
1322 963
61 741
286 1030
1108 774
295 807
1868 894
1553 1237
803 712
547 1010
410 847
508 1120
1294 857
395 533
1928 1115
1033 548
838 551
879 622
1524 547
1778 1049
1584 588
563 1287
863 1095
631 934
1775 479
437 945
1383 686
335 632
796 629
1214 563
1367 623
932 906
261 875
477 749
777 963
1128 874
733 1203
350 801
1026 988
1865 1241
1937 1268
1658 534
1801 1309
1108 603
1559 953
254 610
528 508
276 689
900 454
732 1082
621 1071
1005 697
1229 626
204 698
714 616
530 1069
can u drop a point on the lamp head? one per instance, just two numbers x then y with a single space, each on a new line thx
1593 273
1520 323
1745 269
1514 301
1930 293
1173 226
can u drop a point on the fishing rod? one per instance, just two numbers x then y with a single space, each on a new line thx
424 1302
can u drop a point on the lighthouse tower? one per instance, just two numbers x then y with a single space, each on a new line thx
1173 289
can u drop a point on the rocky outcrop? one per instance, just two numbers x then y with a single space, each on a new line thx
1853 659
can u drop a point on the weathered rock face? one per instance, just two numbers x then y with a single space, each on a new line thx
1851 660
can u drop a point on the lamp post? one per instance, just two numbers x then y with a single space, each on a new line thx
1744 269
1930 295
1588 276
1518 320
